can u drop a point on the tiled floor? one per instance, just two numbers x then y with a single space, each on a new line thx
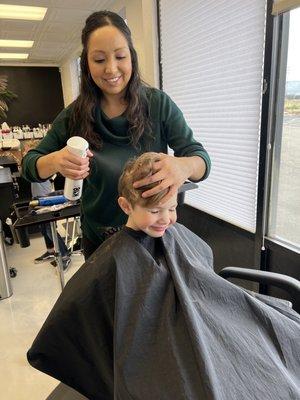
35 290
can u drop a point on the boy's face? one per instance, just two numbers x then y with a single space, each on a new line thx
154 220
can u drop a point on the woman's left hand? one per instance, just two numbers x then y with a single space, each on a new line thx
170 172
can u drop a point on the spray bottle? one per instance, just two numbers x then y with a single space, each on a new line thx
73 188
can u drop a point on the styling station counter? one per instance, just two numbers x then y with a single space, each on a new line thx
25 217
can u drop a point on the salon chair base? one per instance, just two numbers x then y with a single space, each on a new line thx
64 392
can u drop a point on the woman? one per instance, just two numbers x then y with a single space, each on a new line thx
121 118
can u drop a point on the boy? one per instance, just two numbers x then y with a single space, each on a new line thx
147 318
145 214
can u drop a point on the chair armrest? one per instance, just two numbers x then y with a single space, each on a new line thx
183 188
287 283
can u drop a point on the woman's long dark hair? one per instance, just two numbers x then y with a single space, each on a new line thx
82 115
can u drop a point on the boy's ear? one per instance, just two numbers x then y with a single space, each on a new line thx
125 205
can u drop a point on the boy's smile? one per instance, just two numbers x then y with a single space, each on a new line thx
154 220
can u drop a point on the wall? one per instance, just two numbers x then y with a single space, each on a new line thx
39 91
285 261
142 21
70 80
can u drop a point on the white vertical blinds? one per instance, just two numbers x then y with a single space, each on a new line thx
212 67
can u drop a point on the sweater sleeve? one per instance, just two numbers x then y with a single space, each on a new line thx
55 139
179 135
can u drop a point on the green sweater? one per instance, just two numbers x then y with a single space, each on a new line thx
100 190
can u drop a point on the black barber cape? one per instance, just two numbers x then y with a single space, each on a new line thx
148 319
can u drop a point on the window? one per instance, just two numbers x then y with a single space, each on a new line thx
212 57
284 215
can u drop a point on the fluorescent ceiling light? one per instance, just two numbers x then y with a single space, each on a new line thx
22 12
14 56
16 43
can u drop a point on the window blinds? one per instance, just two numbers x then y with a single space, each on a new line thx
212 67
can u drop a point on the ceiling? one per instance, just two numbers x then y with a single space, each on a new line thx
57 37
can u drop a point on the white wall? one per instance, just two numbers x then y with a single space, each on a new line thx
142 21
69 80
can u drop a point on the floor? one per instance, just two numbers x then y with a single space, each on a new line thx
35 289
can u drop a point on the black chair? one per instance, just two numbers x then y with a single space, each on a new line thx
291 285
64 392
288 284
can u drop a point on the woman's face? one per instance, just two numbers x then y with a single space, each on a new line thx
109 61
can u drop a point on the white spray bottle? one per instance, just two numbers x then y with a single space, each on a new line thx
73 188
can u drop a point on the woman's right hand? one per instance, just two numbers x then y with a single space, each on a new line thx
70 165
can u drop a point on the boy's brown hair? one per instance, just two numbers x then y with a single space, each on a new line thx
134 170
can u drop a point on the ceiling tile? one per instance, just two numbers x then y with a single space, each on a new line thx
58 35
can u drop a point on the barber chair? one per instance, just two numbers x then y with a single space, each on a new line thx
284 282
291 285
64 392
